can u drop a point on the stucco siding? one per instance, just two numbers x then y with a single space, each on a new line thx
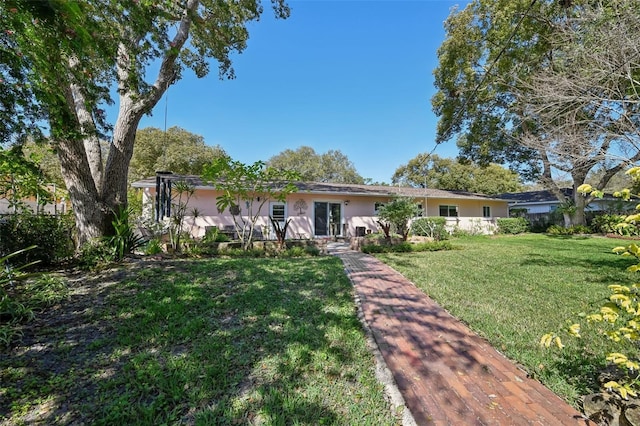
357 212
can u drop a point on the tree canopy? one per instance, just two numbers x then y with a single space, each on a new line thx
252 185
432 171
549 87
397 213
175 150
332 166
64 59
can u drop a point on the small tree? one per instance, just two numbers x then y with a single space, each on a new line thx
252 185
184 190
281 232
397 213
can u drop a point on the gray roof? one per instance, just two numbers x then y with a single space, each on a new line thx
340 188
544 196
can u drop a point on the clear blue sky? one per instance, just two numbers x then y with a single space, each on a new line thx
354 76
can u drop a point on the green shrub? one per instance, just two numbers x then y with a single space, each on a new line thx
312 250
572 230
614 224
405 247
512 225
95 253
50 234
432 227
124 240
373 248
153 246
213 235
296 251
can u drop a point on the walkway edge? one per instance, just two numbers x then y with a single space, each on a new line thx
383 373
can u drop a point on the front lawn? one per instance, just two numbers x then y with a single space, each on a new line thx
216 341
513 289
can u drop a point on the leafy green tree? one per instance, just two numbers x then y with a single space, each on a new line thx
332 166
545 86
432 171
175 150
20 179
69 55
397 213
246 189
42 154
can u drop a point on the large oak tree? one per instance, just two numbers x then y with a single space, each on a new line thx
71 54
432 171
549 87
331 166
175 150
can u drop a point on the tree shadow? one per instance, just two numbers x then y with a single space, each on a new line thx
186 341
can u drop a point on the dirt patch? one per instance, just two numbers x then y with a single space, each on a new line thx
61 348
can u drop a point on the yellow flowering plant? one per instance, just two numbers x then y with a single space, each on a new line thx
621 311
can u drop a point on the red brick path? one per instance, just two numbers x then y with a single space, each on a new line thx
447 374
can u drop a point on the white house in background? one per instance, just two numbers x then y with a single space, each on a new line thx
320 210
540 202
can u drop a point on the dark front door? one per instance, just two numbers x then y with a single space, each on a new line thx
327 218
321 221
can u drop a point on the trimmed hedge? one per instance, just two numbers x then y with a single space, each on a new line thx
512 225
407 247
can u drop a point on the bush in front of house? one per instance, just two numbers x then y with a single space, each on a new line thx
432 227
512 225
406 247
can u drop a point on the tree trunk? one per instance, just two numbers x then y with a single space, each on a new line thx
96 193
88 206
581 204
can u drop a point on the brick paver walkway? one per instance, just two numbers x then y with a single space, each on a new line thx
447 374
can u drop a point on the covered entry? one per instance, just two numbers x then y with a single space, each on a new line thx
327 219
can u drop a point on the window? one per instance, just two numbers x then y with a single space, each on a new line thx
377 206
421 210
486 211
277 212
449 211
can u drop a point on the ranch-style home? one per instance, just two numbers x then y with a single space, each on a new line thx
320 210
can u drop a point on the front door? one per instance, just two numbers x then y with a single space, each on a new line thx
327 218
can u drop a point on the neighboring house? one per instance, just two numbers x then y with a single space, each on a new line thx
320 210
545 202
59 203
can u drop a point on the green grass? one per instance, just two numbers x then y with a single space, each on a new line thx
217 341
513 289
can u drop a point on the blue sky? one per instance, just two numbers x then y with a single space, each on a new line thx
354 76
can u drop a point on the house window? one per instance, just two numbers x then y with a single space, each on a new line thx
420 210
376 207
277 212
486 211
449 211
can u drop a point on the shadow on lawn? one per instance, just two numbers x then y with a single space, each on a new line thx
192 342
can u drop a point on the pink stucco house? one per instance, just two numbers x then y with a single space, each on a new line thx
320 210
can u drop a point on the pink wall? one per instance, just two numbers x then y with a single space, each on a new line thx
357 211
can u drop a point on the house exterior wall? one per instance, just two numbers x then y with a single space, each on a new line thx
357 213
60 207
